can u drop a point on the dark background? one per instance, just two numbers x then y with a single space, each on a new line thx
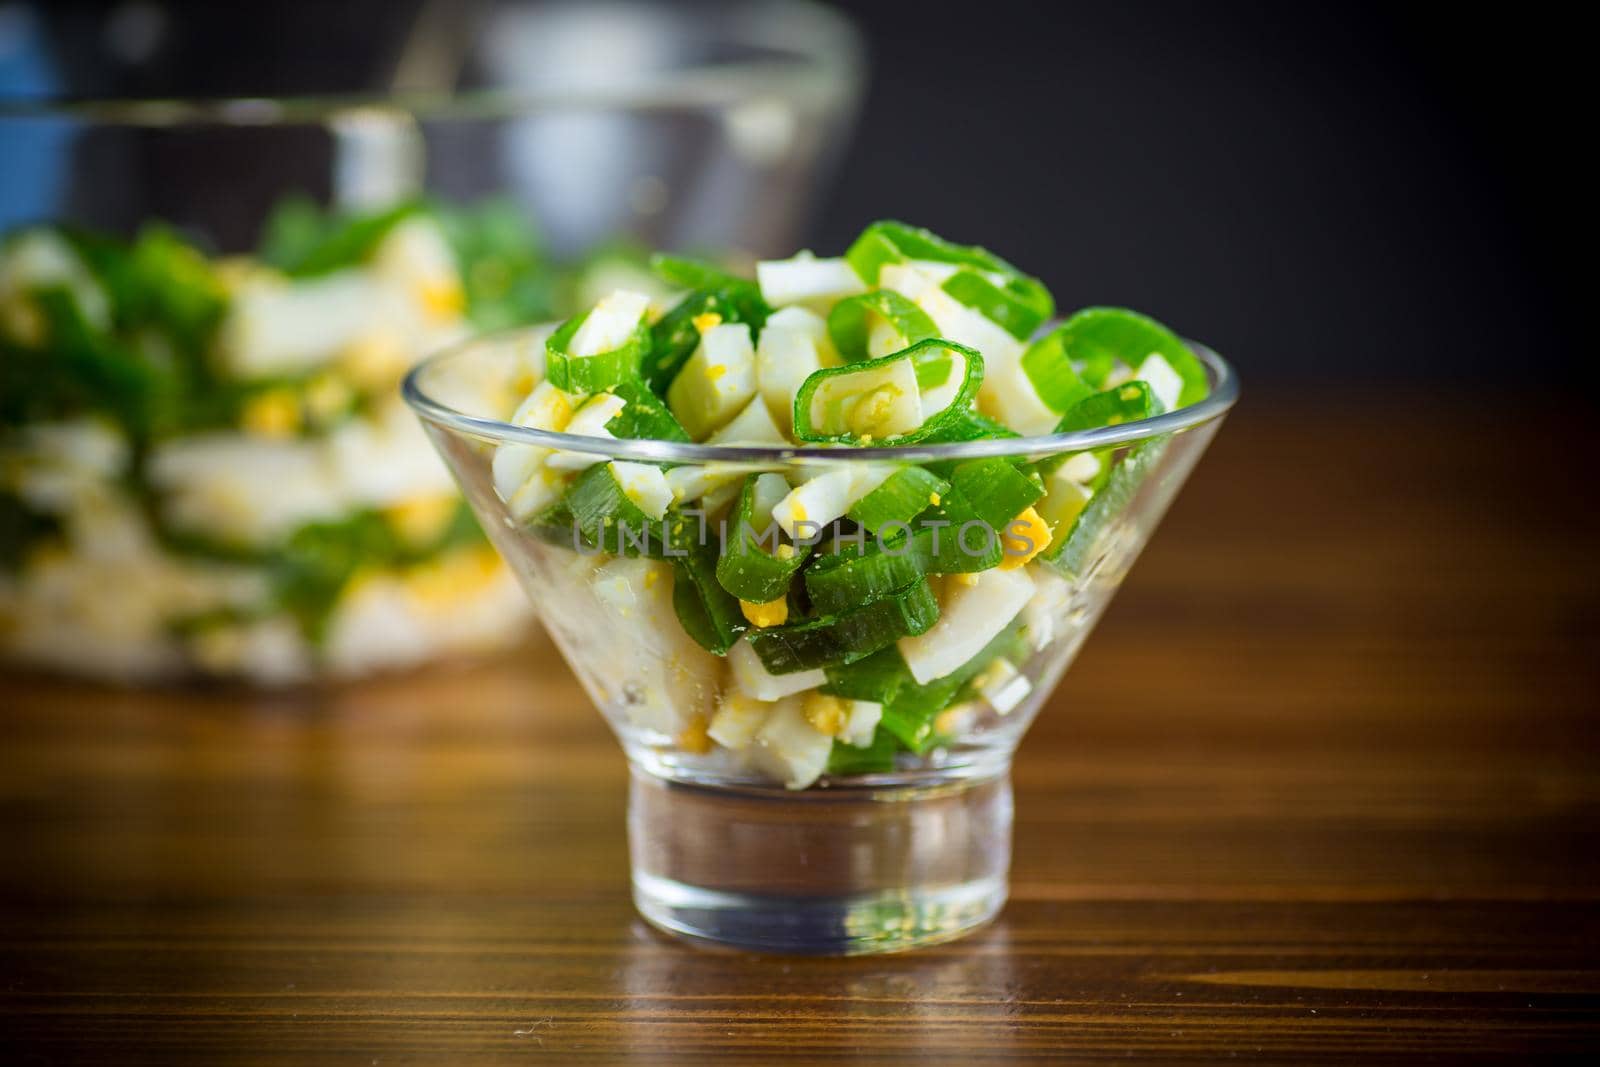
1336 194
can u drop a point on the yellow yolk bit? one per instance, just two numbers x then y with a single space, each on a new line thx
694 737
326 398
275 413
1029 525
375 361
827 714
772 613
933 498
421 520
705 321
715 371
442 299
872 412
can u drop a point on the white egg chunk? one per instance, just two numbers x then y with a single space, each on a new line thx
816 503
754 680
1164 382
790 749
665 679
644 485
416 258
691 482
546 408
752 426
589 421
1081 467
882 338
738 718
974 611
785 358
807 279
1007 393
238 490
1003 686
810 323
862 723
826 494
1064 499
277 327
716 383
610 325
877 403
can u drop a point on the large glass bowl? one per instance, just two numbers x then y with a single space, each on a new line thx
277 542
724 846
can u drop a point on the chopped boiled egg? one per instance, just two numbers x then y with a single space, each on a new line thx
644 485
1081 467
862 722
877 402
716 383
754 680
1064 498
1003 686
610 325
589 421
785 358
752 426
1164 382
790 749
970 616
1024 537
738 718
805 278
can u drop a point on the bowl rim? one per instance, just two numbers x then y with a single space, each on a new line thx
818 58
1223 395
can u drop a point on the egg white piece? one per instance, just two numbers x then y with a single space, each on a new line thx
589 421
739 717
790 749
973 614
1164 382
718 380
754 680
805 278
610 324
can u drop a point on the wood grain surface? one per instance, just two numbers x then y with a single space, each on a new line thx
1324 786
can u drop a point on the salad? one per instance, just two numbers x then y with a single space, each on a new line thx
204 463
802 617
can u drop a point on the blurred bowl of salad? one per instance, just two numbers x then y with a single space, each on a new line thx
207 304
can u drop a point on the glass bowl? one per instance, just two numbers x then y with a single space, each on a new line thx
205 467
757 818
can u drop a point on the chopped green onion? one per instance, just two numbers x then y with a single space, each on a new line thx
841 581
708 612
849 403
644 417
851 320
1049 368
844 638
747 569
1100 335
1129 402
741 295
876 758
592 374
1016 302
904 495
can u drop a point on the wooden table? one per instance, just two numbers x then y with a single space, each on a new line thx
1324 785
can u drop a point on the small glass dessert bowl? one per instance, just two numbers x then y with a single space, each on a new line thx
818 651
